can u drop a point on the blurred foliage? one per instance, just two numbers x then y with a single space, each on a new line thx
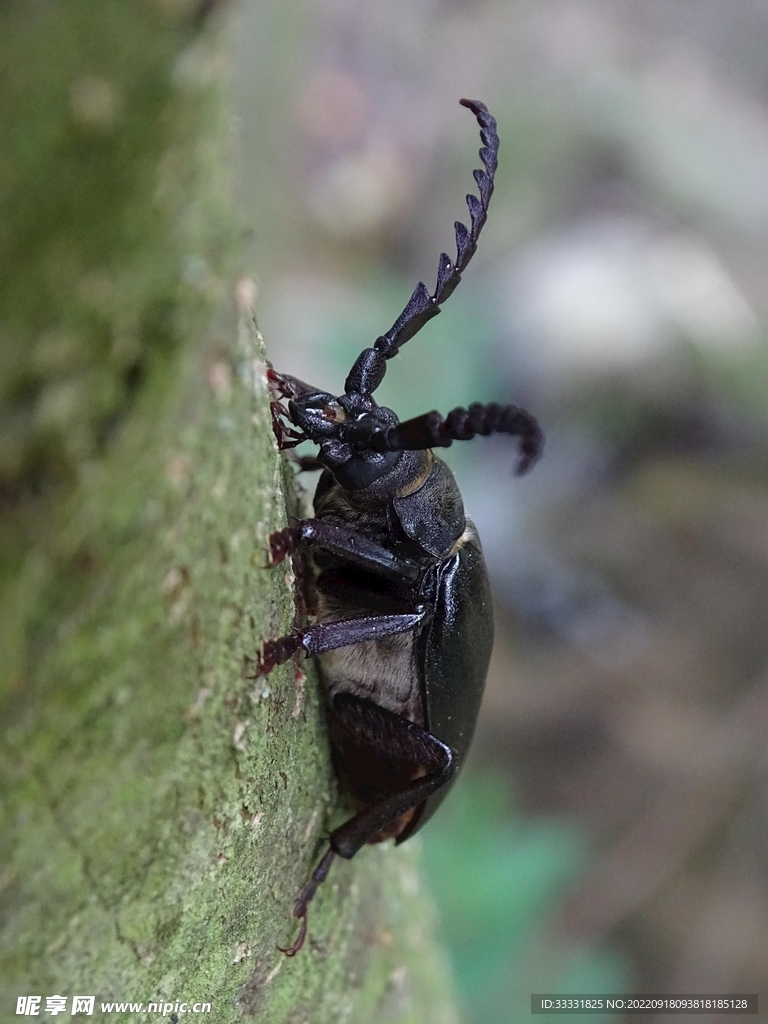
497 876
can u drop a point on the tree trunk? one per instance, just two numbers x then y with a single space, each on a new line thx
160 810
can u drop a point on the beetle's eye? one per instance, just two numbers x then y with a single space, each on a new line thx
334 412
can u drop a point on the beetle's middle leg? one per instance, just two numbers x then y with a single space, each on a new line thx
328 636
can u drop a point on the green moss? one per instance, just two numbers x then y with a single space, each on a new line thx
164 808
99 220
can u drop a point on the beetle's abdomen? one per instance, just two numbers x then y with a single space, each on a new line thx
384 671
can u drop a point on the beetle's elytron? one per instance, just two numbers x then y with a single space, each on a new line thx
403 625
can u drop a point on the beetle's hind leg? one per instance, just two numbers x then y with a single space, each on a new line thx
362 733
426 763
305 897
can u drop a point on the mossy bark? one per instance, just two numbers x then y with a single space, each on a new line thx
160 810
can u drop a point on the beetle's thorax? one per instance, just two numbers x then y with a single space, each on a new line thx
432 514
425 502
404 476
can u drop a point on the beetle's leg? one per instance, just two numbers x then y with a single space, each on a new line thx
394 736
284 385
347 839
304 898
432 762
328 636
346 544
286 436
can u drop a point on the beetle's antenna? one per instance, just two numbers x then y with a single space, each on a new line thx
370 366
431 430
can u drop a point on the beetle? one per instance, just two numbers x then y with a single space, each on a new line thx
403 626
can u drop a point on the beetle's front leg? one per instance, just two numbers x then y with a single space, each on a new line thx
347 544
328 636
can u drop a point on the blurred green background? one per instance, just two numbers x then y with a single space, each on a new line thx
609 834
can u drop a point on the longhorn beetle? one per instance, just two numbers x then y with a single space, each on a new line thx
403 625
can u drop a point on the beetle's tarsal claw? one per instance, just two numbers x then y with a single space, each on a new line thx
276 652
295 946
305 897
285 436
285 386
283 543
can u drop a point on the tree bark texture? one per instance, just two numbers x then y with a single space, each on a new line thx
160 810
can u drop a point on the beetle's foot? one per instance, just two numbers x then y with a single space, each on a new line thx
305 897
276 652
286 436
283 543
295 946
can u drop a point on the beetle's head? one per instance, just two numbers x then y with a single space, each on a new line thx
364 444
350 430
352 433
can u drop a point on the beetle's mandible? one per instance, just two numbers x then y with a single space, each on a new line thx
403 625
